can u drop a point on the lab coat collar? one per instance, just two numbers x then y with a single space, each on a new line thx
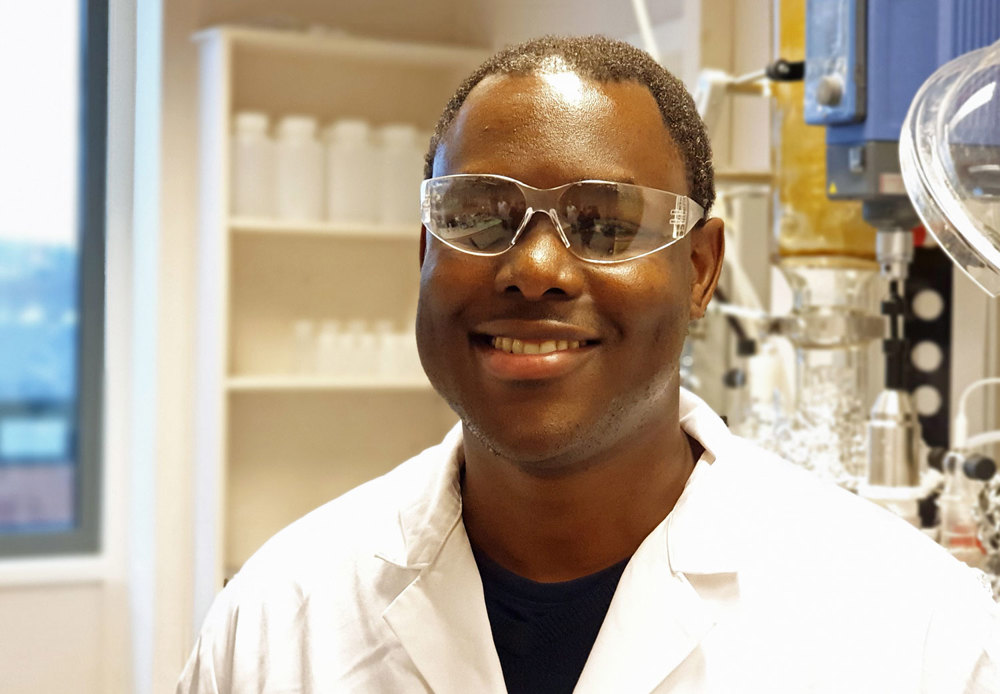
699 525
440 617
655 620
703 529
433 511
659 615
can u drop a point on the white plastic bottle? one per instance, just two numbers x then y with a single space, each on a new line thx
304 347
329 348
251 166
352 181
298 170
385 350
408 357
400 172
354 361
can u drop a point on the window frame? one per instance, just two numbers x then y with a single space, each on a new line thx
85 536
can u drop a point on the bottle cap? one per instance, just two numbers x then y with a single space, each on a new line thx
297 126
398 134
329 328
348 130
383 327
303 328
251 123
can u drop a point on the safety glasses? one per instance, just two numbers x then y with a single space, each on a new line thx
598 221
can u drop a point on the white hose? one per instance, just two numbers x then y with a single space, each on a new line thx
983 439
645 30
961 424
730 309
971 387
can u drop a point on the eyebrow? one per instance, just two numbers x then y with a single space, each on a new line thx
615 177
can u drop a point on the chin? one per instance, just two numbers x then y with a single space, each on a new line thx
553 436
558 444
544 453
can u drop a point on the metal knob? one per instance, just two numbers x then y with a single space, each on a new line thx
979 467
830 90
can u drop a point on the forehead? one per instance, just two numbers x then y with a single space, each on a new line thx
550 128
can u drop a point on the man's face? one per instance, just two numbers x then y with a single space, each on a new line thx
554 412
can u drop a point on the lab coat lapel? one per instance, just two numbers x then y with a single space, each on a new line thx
440 619
655 621
679 583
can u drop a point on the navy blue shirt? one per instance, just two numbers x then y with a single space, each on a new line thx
543 632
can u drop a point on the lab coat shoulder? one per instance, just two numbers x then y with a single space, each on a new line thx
325 579
793 518
891 599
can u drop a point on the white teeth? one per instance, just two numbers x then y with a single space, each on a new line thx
515 346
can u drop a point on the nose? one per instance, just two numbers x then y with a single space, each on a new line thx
539 265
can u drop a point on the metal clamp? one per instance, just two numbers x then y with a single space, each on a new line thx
829 328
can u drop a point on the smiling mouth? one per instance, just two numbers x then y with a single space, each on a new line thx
513 345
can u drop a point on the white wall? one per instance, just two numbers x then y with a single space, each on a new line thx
53 638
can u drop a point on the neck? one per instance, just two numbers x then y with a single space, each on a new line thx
556 528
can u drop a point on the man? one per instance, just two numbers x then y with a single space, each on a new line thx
588 525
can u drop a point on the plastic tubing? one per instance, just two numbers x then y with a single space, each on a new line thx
645 30
983 439
961 425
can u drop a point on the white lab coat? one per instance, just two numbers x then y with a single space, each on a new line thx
761 579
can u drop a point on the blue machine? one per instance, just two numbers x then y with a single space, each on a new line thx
865 61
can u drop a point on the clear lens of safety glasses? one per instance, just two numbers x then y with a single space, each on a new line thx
599 221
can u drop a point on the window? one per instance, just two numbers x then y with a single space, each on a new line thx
53 69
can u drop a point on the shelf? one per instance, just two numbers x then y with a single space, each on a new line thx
346 47
273 443
397 232
282 383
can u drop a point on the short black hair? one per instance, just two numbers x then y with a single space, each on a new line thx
603 60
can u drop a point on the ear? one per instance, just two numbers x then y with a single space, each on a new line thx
423 244
707 249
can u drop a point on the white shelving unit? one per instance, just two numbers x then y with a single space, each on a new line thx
369 232
272 444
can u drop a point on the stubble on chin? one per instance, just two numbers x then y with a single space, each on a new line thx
569 450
